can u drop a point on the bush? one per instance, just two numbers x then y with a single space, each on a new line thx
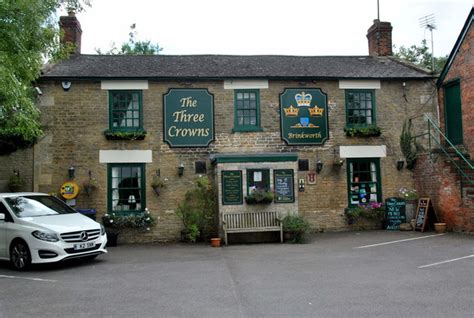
296 226
197 210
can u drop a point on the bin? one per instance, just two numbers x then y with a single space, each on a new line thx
88 212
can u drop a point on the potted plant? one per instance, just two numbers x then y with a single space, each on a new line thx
113 222
373 211
259 196
16 183
363 131
294 228
197 211
157 184
90 186
410 196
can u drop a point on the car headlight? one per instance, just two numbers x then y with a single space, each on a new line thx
45 236
102 230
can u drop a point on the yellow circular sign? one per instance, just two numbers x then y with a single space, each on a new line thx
69 190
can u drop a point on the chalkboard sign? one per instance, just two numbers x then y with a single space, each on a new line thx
232 187
283 184
394 213
424 212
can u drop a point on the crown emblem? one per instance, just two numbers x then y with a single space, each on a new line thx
303 100
316 111
291 111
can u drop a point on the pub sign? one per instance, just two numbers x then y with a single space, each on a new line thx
188 117
303 116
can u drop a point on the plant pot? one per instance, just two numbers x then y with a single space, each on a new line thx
157 190
216 242
440 228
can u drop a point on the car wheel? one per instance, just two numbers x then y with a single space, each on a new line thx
20 256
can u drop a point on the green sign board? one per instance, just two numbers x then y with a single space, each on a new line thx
304 116
188 117
283 184
232 187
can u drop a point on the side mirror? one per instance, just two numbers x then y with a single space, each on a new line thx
2 217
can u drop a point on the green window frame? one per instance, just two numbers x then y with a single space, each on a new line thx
126 187
360 108
247 110
125 110
264 184
364 183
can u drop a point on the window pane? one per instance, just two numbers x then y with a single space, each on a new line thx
125 107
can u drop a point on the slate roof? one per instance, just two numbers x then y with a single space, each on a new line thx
232 66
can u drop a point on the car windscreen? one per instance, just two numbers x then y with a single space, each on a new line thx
31 206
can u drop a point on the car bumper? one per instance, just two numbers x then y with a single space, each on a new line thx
49 252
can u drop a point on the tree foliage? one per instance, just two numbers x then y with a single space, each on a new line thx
420 55
28 36
133 46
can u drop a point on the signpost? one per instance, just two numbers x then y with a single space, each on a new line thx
188 117
394 213
232 187
303 116
284 189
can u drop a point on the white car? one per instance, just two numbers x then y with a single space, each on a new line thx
39 228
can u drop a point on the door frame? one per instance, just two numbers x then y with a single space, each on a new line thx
453 82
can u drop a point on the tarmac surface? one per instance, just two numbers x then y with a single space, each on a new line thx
351 274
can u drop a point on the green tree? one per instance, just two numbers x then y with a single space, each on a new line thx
420 55
133 46
29 35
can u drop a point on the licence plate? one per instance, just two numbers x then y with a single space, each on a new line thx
83 246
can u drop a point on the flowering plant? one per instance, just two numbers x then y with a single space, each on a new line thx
408 194
142 220
259 196
371 210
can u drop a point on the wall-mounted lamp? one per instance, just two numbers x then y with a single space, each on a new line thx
319 166
181 169
400 163
72 172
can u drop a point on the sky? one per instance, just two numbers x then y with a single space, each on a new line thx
290 27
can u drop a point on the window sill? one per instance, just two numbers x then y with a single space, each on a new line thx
125 135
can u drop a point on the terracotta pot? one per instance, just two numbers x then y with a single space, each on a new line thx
440 228
216 242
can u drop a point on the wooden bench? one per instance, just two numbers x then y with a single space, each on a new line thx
243 222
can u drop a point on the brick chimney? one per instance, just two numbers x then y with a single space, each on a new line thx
380 38
72 31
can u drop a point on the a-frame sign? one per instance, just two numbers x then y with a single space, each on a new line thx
425 214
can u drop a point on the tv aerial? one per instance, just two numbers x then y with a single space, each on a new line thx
429 22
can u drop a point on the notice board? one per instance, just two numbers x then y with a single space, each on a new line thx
394 213
284 189
232 187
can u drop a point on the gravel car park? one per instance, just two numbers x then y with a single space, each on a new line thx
366 274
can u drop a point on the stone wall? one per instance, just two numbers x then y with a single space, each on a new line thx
74 122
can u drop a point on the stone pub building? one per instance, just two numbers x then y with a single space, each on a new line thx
287 124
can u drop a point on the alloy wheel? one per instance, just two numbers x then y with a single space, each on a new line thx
20 256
